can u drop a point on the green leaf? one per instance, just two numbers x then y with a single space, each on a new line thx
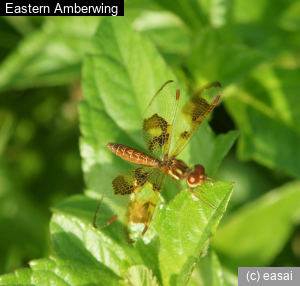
220 16
59 271
22 223
256 233
230 279
213 60
266 113
208 271
84 256
274 37
290 19
78 206
168 34
190 12
77 241
198 14
84 208
139 275
49 56
120 78
121 75
250 11
185 227
128 71
211 155
109 114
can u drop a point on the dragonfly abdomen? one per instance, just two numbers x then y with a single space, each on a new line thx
133 155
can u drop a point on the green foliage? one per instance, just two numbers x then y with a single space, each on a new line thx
251 47
185 227
209 271
51 55
172 248
140 275
17 211
273 215
271 112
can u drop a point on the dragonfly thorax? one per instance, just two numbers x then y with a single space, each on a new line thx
180 171
175 168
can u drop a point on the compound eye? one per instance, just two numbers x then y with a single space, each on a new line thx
199 169
193 179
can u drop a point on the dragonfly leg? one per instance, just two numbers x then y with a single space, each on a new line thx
176 183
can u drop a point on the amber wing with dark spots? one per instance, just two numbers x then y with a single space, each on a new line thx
118 194
158 119
141 209
192 114
131 196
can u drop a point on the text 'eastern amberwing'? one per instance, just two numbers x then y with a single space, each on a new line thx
166 130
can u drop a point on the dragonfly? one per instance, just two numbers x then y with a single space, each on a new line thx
167 127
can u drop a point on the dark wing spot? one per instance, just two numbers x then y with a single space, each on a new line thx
158 141
121 186
156 122
185 135
156 187
201 107
141 176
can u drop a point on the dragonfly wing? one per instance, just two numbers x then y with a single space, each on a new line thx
119 193
192 114
142 208
158 119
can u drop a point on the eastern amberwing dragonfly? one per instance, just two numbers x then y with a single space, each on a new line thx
166 130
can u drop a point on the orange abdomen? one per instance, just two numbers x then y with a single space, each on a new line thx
133 155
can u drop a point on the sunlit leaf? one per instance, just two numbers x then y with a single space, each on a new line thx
139 275
185 227
80 242
256 233
119 82
84 256
79 206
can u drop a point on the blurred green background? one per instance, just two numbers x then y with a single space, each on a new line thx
251 47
